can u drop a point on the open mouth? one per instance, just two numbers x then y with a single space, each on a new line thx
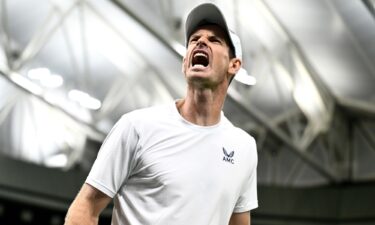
200 58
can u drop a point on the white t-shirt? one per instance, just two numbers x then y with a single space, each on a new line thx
163 170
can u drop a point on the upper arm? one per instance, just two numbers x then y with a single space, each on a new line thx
87 206
240 218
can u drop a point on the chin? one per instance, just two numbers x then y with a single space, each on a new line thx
198 77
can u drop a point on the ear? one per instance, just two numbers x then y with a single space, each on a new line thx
234 66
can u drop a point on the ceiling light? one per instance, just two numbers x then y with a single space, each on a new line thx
84 99
44 76
38 73
52 81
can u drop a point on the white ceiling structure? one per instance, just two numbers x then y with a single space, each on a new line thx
69 69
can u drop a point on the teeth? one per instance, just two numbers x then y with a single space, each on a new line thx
198 54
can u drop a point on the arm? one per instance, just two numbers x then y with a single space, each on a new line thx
87 206
240 219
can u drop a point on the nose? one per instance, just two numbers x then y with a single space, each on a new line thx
201 42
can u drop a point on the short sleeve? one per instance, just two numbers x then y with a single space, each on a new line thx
248 198
115 159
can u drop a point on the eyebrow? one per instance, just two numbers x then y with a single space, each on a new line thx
194 36
209 36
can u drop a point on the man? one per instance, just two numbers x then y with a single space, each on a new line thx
184 163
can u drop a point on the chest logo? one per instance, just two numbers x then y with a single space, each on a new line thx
228 157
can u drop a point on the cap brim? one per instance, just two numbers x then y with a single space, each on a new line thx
243 77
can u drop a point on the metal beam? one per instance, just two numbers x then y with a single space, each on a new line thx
4 27
260 118
360 48
40 38
7 107
369 137
84 84
36 44
91 130
166 42
168 86
369 4
365 109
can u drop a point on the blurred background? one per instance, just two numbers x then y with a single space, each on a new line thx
70 68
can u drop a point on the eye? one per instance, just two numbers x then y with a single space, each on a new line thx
215 39
193 39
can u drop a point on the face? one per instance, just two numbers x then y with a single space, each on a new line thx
207 61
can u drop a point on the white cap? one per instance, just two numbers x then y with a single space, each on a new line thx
209 13
242 75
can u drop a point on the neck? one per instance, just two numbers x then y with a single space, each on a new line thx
202 106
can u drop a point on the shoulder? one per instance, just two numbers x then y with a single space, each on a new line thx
248 146
240 138
237 132
147 113
145 117
244 139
